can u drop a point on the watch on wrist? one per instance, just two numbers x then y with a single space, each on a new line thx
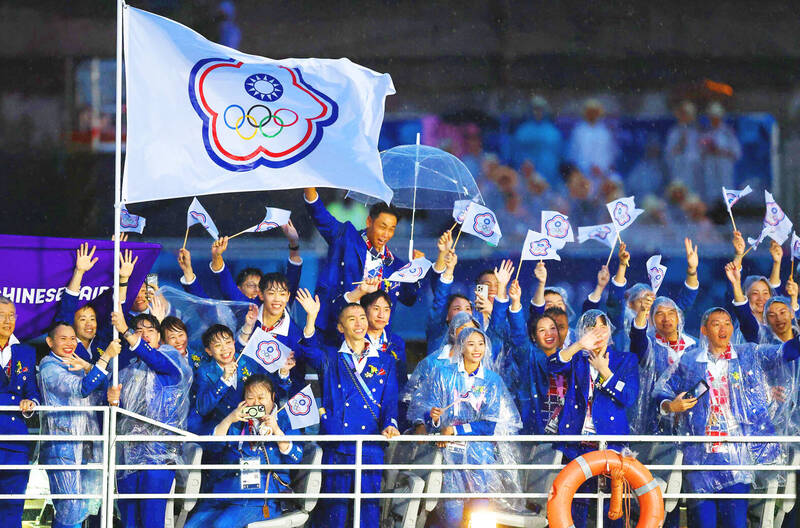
129 332
294 248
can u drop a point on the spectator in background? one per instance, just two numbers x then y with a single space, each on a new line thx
475 158
539 142
229 33
648 176
591 146
682 151
508 200
704 230
720 150
579 207
539 194
676 194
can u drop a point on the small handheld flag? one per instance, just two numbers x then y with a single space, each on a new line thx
731 196
264 348
130 222
197 214
795 246
557 227
460 209
302 409
412 272
656 271
623 212
538 246
481 222
274 218
776 219
603 233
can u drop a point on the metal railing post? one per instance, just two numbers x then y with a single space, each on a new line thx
112 472
357 488
600 514
103 512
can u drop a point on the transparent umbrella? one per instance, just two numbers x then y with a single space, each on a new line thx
423 177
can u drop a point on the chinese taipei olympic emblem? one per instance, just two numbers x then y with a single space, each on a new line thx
300 405
484 224
128 220
775 214
621 214
557 227
539 248
657 275
410 270
257 114
601 233
266 226
268 352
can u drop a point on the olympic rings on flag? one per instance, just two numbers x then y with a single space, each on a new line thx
255 131
271 117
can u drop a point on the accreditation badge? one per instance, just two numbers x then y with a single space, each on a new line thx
249 478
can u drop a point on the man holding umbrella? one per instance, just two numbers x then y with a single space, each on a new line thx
353 256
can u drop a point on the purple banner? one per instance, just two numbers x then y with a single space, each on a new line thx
36 270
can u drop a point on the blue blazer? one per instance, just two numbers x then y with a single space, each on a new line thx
344 266
231 291
20 386
65 311
534 379
346 411
215 399
610 400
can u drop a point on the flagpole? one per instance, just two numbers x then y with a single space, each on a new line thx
107 516
730 213
519 267
414 204
611 253
240 233
185 238
456 242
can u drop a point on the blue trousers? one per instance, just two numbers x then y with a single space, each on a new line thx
57 524
339 512
144 513
725 513
225 514
13 482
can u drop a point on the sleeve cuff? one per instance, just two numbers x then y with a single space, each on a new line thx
445 281
639 327
512 310
560 358
594 301
309 336
229 382
661 408
70 292
437 424
315 200
617 284
608 380
219 270
293 263
536 305
498 299
347 298
101 369
138 342
287 451
686 284
282 376
187 283
740 303
775 286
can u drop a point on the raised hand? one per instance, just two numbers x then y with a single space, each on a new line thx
603 276
624 255
112 350
647 302
84 258
540 272
251 317
75 363
444 242
126 264
369 286
692 258
504 274
776 251
185 262
738 243
159 307
219 246
515 293
291 233
309 302
733 273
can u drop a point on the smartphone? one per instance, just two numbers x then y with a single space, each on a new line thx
482 290
698 390
152 280
254 411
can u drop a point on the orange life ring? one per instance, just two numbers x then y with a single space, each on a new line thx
651 502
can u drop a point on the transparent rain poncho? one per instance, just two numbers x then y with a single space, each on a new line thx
783 378
427 364
143 393
659 360
198 314
737 404
61 387
484 408
751 281
589 320
565 297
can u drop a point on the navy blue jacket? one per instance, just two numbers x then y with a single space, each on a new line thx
20 386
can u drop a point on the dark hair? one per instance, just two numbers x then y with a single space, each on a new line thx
146 317
552 291
247 272
58 324
215 331
85 306
275 278
260 379
453 296
346 306
535 321
171 322
712 311
370 298
555 311
487 271
379 208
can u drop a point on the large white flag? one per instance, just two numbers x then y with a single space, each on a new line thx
266 350
197 214
538 246
556 226
302 409
481 222
204 118
623 212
